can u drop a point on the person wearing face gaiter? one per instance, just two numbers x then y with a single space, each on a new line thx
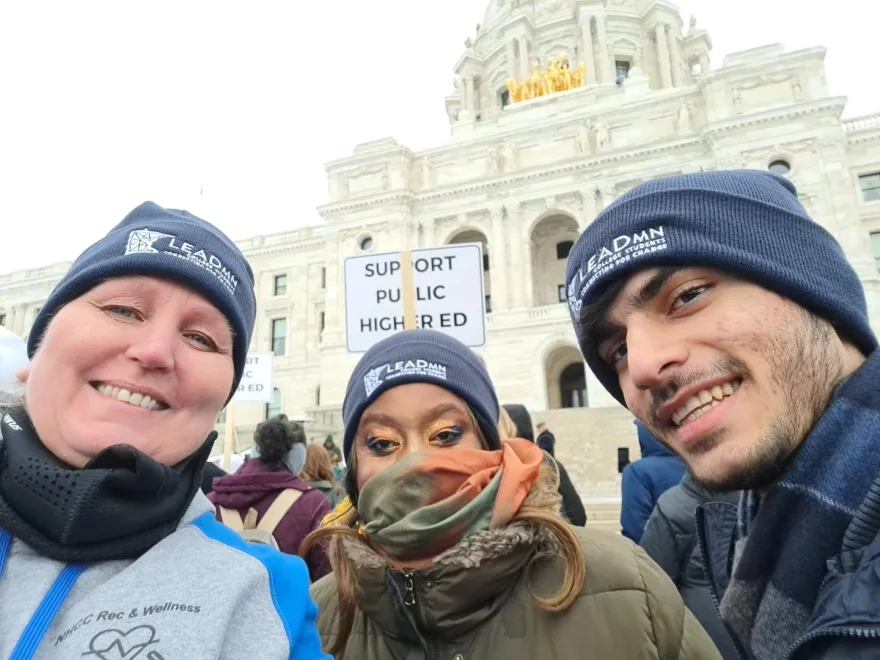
108 549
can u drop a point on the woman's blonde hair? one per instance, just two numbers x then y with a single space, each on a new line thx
317 467
539 512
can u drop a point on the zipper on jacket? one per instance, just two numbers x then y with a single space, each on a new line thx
707 569
411 603
860 633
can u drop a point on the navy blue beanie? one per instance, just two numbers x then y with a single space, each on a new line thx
421 356
173 245
747 223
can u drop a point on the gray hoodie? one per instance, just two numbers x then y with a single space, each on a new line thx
201 593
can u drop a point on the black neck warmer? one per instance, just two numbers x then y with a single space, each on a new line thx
117 507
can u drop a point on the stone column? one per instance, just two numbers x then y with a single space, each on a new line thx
469 100
511 59
518 282
606 194
675 50
529 289
588 51
429 238
663 56
588 200
498 267
12 319
523 58
604 63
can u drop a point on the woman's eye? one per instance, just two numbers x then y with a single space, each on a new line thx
379 445
689 295
125 312
449 435
202 340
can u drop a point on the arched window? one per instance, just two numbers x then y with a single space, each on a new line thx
573 386
274 408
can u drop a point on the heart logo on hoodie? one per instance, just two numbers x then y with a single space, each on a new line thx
114 644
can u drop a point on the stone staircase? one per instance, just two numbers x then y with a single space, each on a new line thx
603 513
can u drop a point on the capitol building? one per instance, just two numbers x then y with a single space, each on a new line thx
523 174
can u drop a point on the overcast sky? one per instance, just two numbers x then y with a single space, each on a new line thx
108 104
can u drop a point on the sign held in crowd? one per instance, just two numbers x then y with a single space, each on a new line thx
437 288
257 381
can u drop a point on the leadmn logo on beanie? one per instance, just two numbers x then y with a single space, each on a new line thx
375 377
620 250
143 241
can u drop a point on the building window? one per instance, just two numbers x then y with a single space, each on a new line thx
488 304
279 336
485 262
875 248
280 286
573 386
366 243
321 322
505 98
622 67
323 277
560 292
563 248
221 418
3 320
274 408
870 185
779 167
318 395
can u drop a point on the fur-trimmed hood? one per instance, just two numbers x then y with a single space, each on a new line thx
465 586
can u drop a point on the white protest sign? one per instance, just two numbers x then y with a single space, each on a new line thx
258 380
437 288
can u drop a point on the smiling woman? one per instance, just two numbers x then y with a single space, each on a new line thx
133 356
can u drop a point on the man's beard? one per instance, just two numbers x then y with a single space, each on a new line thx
805 368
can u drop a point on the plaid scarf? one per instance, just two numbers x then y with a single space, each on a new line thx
426 503
785 536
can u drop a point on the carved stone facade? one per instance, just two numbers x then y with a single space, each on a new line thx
525 178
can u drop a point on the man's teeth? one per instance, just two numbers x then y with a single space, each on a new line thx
702 402
134 398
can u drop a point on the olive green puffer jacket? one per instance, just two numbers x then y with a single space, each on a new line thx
474 603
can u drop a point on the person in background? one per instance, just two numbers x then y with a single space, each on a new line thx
455 548
546 440
572 506
670 539
107 547
319 474
644 481
332 451
281 456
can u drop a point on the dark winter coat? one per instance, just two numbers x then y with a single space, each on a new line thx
547 442
210 473
257 485
644 481
670 539
477 603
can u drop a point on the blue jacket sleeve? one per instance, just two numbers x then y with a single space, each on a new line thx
308 645
636 504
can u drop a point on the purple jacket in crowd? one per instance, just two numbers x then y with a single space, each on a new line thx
256 485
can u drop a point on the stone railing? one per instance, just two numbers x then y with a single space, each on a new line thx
863 123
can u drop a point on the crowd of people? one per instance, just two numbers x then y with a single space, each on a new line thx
738 336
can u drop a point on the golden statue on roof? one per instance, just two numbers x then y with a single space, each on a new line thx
558 76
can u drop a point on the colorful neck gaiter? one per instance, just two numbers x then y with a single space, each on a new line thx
426 503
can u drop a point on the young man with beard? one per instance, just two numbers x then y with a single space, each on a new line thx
734 328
